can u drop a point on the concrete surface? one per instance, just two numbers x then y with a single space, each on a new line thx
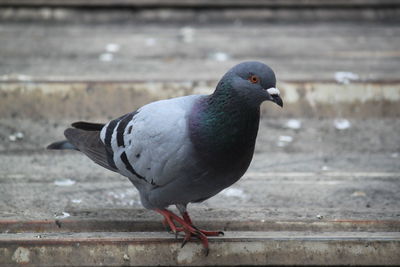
338 187
203 11
92 100
205 3
313 195
322 171
262 248
192 51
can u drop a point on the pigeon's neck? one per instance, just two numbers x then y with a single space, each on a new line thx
223 128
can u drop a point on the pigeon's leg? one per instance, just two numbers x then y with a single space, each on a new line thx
185 215
189 230
170 226
168 222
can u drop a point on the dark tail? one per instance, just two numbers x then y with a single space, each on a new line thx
65 144
88 126
60 145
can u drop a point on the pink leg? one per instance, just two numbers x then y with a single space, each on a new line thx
187 227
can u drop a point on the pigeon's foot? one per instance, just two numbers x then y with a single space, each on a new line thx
187 227
188 220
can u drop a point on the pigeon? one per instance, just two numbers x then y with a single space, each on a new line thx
186 149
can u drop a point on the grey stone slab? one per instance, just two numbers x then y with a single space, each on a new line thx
102 101
237 248
349 174
280 197
171 52
204 3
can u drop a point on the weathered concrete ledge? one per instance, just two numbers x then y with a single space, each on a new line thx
79 224
235 248
93 99
206 3
204 10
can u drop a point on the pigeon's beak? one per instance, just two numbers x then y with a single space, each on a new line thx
274 96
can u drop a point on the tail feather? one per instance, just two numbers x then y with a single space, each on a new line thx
82 125
61 145
89 143
88 126
85 137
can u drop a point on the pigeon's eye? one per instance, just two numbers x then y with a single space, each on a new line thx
254 79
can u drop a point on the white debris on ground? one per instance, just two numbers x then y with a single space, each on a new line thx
64 182
358 194
19 135
112 48
121 198
187 34
22 77
395 155
325 168
76 201
150 41
284 140
234 192
15 76
345 77
16 136
293 124
116 195
319 216
106 57
63 215
341 124
281 144
219 56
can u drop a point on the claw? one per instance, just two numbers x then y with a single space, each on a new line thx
198 233
184 243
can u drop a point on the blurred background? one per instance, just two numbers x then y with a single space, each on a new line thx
331 154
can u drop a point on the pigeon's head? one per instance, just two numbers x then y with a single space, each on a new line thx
253 81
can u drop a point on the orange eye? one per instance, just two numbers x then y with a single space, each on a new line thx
254 79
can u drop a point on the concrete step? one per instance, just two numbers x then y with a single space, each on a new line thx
205 3
329 197
273 218
181 11
270 218
95 99
198 52
235 248
65 70
137 220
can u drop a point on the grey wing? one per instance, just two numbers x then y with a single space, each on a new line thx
152 144
85 137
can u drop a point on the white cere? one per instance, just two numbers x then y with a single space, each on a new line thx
273 91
